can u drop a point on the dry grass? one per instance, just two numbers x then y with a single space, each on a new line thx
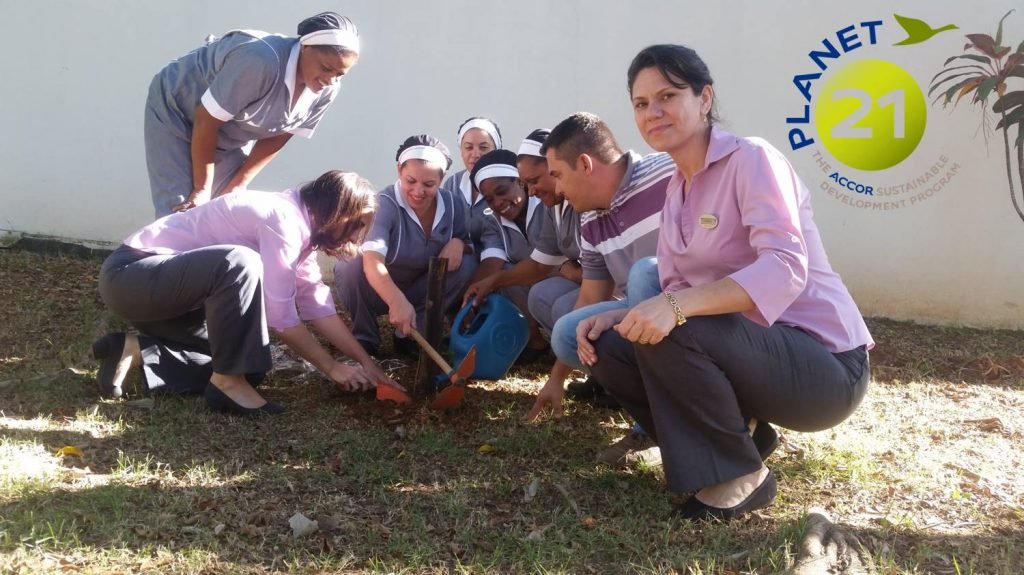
925 473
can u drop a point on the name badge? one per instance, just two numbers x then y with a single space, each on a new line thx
708 221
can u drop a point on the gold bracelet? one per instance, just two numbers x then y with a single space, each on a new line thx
680 318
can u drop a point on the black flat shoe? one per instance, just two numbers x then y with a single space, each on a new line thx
766 440
584 390
109 349
217 400
694 510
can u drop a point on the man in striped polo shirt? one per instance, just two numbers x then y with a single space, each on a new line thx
619 196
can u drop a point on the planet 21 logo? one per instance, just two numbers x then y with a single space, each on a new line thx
869 115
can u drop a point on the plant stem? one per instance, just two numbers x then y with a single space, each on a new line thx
1009 171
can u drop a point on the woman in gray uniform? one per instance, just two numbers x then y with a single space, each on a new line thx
218 115
556 249
477 136
514 221
416 220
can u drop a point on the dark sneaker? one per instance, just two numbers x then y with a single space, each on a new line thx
766 440
532 354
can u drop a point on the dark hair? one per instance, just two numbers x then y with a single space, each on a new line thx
583 133
426 140
336 200
468 120
681 67
499 156
539 135
328 21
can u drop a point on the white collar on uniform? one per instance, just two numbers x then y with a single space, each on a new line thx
467 189
531 208
306 99
438 213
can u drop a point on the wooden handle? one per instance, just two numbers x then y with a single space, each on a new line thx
430 351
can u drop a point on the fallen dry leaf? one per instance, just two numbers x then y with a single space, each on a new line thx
487 448
302 526
988 424
530 491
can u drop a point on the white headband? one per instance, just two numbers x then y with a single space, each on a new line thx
428 154
495 171
343 38
485 125
530 148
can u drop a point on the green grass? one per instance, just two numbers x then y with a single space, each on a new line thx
177 489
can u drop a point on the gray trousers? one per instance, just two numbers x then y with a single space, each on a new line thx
694 390
169 163
551 298
364 305
197 312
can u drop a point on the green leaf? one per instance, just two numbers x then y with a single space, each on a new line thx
975 57
1015 117
964 67
949 93
984 43
1020 48
972 67
1009 101
938 84
1017 71
984 89
999 31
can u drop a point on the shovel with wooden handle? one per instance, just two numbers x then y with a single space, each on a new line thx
452 395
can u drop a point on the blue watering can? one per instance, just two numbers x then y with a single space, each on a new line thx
498 330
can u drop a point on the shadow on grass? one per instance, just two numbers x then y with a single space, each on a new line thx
396 491
411 489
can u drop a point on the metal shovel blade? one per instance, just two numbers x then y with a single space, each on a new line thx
452 395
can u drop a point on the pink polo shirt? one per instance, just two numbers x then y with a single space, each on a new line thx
746 215
275 225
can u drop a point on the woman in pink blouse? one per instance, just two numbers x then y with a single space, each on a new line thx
202 286
752 323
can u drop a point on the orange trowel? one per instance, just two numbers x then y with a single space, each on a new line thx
452 395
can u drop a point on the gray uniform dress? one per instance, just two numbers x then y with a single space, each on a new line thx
559 241
246 79
459 186
501 238
397 235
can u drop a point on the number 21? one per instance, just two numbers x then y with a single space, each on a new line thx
846 128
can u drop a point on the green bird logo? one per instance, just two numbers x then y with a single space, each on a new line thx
918 30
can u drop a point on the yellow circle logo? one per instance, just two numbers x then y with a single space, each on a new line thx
870 115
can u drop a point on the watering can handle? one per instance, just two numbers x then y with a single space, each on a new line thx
457 323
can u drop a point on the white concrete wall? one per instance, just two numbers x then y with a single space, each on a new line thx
75 76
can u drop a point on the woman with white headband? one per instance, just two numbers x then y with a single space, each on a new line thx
514 221
218 115
477 136
416 220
